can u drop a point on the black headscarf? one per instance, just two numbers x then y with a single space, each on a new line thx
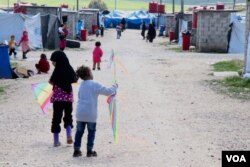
63 75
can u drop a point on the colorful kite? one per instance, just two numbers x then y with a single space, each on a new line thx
113 117
112 101
43 93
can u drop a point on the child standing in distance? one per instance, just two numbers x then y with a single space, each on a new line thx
24 42
62 98
97 32
43 64
118 31
102 30
12 45
86 112
97 54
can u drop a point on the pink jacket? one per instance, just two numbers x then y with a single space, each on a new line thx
97 54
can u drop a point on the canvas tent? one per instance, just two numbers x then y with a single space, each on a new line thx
237 39
49 28
5 69
133 18
15 24
43 30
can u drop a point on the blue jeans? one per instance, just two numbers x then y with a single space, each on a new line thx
80 127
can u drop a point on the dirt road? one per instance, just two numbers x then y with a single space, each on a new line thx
168 115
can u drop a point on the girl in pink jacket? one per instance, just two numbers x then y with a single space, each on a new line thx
24 42
97 54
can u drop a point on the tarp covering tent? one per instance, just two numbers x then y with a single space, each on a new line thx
15 24
133 19
5 69
237 39
49 27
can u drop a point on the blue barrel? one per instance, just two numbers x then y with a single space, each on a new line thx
162 29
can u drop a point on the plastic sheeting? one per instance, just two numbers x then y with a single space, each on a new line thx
5 69
247 72
133 19
15 24
237 40
33 26
183 28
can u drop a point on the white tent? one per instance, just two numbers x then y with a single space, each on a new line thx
15 24
237 40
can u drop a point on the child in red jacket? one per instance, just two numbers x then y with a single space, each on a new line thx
43 64
97 54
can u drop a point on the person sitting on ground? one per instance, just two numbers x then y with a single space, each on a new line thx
43 64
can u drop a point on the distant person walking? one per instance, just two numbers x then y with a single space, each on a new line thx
123 24
151 33
102 30
143 29
24 42
118 31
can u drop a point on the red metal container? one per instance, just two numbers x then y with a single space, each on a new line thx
153 7
185 41
94 27
220 6
19 9
171 36
161 8
84 34
195 18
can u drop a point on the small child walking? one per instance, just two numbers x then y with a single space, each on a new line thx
62 98
86 112
12 46
118 31
43 64
24 42
97 54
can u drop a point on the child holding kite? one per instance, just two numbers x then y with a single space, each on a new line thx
86 112
97 54
62 98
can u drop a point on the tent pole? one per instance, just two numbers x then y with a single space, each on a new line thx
173 6
182 6
234 4
77 5
8 5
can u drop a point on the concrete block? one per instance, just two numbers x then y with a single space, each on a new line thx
226 74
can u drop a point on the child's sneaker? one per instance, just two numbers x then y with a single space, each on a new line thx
98 68
91 154
77 153
69 140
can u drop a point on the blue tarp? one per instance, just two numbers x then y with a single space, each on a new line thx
5 69
133 19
